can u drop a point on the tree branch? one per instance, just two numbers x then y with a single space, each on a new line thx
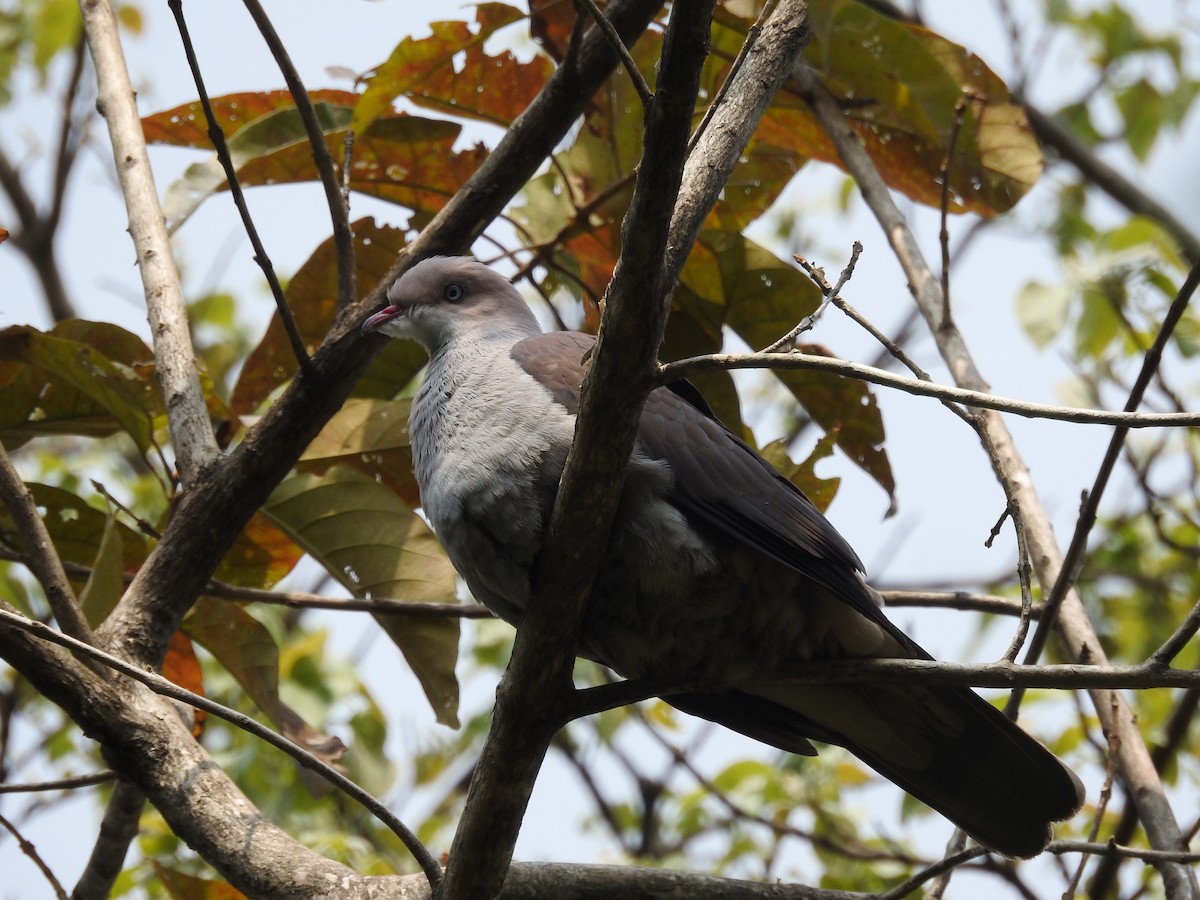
1079 635
118 828
544 652
1054 134
175 359
1073 559
343 235
216 136
178 568
163 687
687 368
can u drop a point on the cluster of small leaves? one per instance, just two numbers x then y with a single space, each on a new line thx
1141 76
1108 306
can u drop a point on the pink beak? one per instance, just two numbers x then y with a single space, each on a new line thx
381 318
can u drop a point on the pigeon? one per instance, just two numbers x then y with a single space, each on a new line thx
718 570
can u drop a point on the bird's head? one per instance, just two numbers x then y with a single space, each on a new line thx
444 298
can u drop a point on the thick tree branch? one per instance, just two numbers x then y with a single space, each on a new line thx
175 359
1078 634
160 685
220 505
199 803
634 318
118 828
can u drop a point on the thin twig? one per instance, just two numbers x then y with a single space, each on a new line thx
338 202
960 112
1024 569
752 35
618 45
930 872
959 600
60 784
685 368
165 688
1178 640
1112 849
1110 775
217 136
828 294
954 846
29 850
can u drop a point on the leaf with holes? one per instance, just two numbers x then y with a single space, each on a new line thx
450 72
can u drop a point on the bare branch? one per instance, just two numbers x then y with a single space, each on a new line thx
618 45
165 688
1073 559
343 235
60 784
986 603
175 359
31 851
1178 640
686 368
217 136
829 293
1053 133
118 828
610 406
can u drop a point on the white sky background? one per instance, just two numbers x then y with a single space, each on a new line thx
947 498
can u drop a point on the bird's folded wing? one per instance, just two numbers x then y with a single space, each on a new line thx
718 478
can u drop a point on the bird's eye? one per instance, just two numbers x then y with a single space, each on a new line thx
454 292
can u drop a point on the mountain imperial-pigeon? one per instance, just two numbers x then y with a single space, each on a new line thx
718 567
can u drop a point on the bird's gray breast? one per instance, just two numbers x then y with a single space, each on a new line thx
488 447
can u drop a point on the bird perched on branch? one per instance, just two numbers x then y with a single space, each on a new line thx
718 568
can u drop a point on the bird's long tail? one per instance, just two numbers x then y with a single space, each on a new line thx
944 745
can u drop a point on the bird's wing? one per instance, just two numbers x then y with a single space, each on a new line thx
718 478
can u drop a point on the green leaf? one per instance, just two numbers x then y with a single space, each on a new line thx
1141 108
375 546
106 584
76 528
271 133
55 28
372 437
77 388
1042 310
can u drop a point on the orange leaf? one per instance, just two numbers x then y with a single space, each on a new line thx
184 126
181 667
